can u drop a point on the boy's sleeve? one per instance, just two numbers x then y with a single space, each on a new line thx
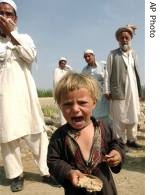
116 144
57 166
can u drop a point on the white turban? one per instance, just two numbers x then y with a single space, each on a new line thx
129 28
10 2
89 51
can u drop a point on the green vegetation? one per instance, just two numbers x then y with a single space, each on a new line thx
45 93
50 111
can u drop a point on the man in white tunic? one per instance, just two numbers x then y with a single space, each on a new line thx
20 111
62 69
96 70
123 87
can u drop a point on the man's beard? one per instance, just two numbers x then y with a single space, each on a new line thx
125 47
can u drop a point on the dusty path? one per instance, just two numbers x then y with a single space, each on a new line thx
130 181
33 184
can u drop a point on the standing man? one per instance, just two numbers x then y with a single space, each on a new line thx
20 111
62 69
96 70
123 87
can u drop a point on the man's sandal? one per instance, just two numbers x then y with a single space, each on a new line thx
17 184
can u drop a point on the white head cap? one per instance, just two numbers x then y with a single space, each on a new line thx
63 58
89 51
10 2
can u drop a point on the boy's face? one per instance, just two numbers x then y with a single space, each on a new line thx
77 108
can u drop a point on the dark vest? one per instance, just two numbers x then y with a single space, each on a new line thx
118 75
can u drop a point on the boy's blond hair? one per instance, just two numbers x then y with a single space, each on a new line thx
74 81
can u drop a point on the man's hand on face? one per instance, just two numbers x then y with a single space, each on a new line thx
6 25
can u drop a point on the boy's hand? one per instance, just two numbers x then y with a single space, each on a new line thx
113 158
74 176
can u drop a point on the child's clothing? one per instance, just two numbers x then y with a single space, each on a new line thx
64 154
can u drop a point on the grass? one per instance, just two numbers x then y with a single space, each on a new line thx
45 92
50 111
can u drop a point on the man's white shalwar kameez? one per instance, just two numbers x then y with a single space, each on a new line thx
101 110
125 113
58 74
20 111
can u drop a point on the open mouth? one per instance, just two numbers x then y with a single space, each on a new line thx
77 119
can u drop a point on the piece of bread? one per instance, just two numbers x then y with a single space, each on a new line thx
91 183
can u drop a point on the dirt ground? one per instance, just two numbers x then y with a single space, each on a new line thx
130 181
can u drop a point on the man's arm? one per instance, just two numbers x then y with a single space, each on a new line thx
107 75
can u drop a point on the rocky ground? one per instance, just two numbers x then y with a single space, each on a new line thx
130 181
